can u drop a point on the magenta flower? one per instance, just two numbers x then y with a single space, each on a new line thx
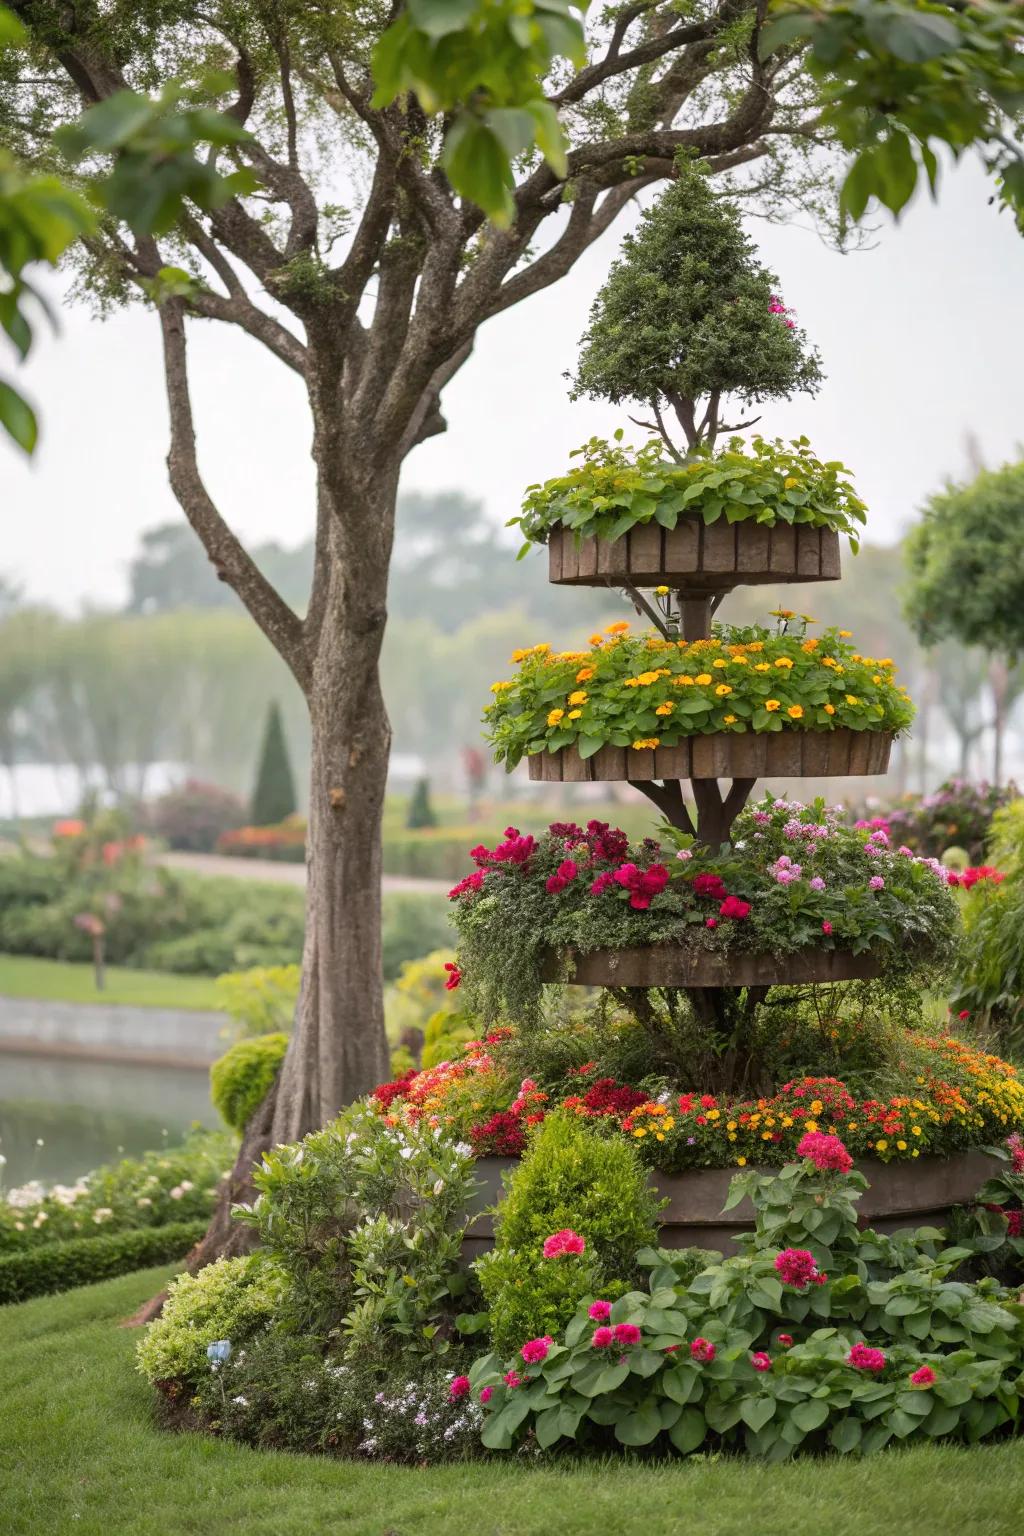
796 1267
512 1379
566 1241
626 1333
825 1152
923 1377
486 1393
458 1388
863 1358
600 1311
785 1339
702 1350
536 1350
876 883
602 1338
760 1361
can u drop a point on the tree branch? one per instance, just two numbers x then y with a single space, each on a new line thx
229 558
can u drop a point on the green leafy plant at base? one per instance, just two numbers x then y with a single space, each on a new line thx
644 691
847 1342
260 1000
83 1260
569 1178
615 489
231 1299
244 1075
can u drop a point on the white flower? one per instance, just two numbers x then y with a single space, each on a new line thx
243 1402
186 1184
3 1160
407 1152
103 1213
176 1193
439 1187
463 1149
40 1142
143 1200
41 1216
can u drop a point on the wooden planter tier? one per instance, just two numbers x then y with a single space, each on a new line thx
673 965
713 558
725 755
901 1195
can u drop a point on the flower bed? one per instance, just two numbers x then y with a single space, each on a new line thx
286 842
642 692
795 881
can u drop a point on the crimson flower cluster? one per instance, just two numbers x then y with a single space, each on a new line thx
797 1267
827 1153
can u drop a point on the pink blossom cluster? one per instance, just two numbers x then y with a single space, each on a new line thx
566 872
1016 1145
825 1152
702 1350
642 884
564 1242
863 1358
784 871
797 1267
776 307
924 1376
536 1350
624 1334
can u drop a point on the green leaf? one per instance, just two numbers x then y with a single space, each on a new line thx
689 1431
914 37
810 1415
438 18
548 1427
756 1411
477 166
845 1436
680 1384
18 418
640 1427
785 30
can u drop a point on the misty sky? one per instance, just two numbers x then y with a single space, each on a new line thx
922 339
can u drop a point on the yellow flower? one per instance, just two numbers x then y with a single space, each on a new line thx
645 742
722 690
730 720
681 680
618 628
555 716
810 1125
830 709
661 591
880 1146
575 714
740 661
851 698
783 613
519 655
756 645
789 482
741 1162
703 677
584 674
784 662
640 1131
795 712
721 662
596 639
579 697
828 661
877 678
808 620
647 678
500 687
901 1146
771 705
664 709
762 666
845 634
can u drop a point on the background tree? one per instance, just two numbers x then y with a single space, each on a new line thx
688 317
274 795
374 309
965 560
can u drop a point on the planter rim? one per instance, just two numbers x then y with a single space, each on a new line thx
713 557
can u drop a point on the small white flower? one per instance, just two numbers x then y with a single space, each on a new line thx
243 1402
439 1187
103 1213
40 1142
143 1200
684 854
41 1216
176 1193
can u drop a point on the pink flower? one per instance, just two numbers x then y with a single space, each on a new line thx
712 922
600 1311
626 1333
863 1358
732 906
825 1152
601 1338
785 1339
486 1393
1015 1223
702 1350
1016 1145
512 1379
923 1377
458 1388
760 1361
876 883
472 882
826 927
602 883
796 1267
566 1241
536 1350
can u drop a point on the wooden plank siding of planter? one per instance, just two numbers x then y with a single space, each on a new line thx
713 558
789 753
673 965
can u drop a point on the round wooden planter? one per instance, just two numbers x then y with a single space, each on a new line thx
788 753
671 965
715 558
906 1194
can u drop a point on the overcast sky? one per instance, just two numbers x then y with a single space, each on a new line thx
922 339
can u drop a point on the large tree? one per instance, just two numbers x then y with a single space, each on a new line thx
374 307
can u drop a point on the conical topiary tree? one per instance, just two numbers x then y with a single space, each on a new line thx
689 316
274 796
421 812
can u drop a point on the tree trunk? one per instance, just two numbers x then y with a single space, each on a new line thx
999 681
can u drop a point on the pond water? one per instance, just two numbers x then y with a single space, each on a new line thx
59 1118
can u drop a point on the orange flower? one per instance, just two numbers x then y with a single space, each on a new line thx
771 705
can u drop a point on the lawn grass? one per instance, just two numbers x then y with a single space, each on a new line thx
70 982
79 1453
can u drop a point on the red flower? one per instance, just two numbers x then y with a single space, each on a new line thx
702 1350
458 1388
710 885
796 1267
863 1358
565 1241
732 906
536 1350
454 976
600 1311
485 1394
826 927
626 1333
923 1377
785 1339
826 1152
760 1361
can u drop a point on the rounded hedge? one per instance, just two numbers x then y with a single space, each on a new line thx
244 1075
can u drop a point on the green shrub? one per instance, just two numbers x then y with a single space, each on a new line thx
437 853
413 926
420 813
84 1260
232 1299
274 796
569 1178
260 1000
244 1075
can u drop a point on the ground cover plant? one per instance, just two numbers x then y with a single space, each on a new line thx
653 689
793 879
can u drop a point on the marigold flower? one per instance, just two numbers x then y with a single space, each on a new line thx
665 709
555 716
795 712
579 697
771 705
722 690
729 720
618 628
784 662
830 709
584 674
703 678
646 743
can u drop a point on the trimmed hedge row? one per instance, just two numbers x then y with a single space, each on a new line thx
83 1260
437 854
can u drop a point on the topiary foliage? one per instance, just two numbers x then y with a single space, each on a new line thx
688 315
231 1300
244 1075
569 1178
421 812
274 796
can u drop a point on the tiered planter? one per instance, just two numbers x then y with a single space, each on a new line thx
671 965
713 558
901 1195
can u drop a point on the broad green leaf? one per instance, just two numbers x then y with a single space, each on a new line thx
689 1431
18 418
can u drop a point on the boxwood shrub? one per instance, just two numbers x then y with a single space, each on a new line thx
84 1260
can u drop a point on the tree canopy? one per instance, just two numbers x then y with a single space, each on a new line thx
965 560
689 315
